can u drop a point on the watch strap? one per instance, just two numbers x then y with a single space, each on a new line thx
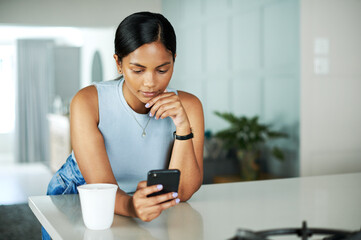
186 137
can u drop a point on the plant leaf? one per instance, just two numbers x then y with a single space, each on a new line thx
278 153
274 134
246 133
229 117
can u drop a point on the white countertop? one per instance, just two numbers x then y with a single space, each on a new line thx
217 210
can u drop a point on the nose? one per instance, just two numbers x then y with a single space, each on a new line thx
149 80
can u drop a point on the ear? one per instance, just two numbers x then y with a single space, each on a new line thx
118 63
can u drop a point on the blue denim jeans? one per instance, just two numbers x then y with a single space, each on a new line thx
65 181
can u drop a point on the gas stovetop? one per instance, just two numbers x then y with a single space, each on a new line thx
303 233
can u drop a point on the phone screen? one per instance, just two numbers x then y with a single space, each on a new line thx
169 178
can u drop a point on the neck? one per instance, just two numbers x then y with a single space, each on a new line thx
133 102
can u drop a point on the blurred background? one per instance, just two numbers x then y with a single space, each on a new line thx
293 64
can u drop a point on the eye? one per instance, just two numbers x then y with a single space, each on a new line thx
137 71
162 71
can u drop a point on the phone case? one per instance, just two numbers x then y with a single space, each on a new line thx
169 178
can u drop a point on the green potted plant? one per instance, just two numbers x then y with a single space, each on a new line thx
245 136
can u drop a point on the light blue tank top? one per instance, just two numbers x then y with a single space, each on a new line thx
130 154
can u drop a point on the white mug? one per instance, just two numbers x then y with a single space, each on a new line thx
97 202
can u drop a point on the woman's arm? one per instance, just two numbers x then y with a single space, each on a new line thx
93 162
187 155
88 145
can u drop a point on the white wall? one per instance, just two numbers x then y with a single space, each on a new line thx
102 40
330 102
79 13
242 57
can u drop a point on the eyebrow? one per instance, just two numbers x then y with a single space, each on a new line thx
139 65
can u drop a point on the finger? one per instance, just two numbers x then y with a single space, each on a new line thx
171 112
155 99
169 204
151 213
141 185
149 190
155 210
166 110
163 198
162 102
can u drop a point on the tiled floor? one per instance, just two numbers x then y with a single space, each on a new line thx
19 181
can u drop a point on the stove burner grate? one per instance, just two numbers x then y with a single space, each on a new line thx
304 233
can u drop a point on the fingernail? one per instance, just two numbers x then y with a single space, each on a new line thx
147 105
177 200
175 194
150 114
159 186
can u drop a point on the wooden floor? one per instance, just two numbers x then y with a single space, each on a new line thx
19 181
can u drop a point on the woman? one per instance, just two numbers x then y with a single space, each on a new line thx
121 129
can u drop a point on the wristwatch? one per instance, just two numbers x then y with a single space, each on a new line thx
186 137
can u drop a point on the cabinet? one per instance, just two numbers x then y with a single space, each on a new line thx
60 144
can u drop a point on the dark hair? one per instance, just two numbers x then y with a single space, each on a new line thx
141 28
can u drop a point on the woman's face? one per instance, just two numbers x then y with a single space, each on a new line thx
147 72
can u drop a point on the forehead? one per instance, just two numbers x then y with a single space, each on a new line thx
153 53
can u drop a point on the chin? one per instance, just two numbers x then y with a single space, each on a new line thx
144 99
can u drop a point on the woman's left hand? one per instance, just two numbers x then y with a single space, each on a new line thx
168 104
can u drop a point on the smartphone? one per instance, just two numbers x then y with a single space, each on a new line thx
169 178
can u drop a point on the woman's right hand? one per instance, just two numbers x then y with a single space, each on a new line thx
149 208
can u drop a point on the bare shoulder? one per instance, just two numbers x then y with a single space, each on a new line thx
189 100
86 96
85 102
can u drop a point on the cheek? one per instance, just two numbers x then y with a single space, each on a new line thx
163 82
131 83
166 77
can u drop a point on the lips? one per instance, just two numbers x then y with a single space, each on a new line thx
149 94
